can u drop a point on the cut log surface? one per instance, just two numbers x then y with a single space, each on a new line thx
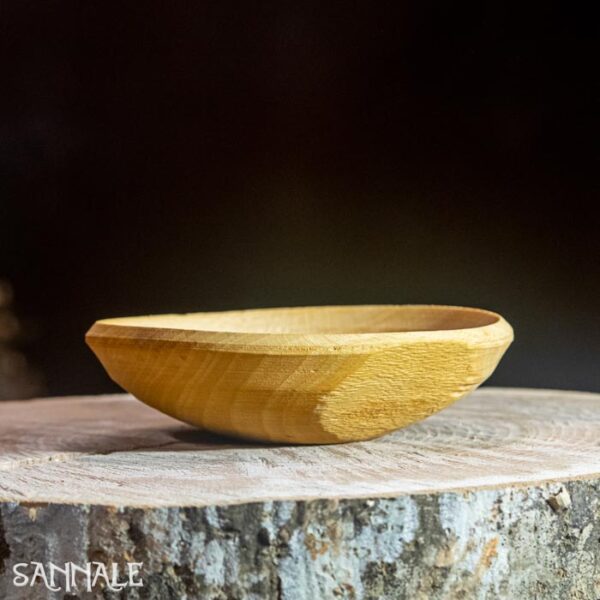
497 496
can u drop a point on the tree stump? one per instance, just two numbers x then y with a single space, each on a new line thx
497 496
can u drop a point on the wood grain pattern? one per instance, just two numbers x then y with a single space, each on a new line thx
113 450
303 375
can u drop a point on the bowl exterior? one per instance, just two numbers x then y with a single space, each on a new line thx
305 395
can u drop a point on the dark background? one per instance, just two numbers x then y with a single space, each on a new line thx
182 156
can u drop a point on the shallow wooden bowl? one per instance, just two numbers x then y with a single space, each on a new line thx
303 375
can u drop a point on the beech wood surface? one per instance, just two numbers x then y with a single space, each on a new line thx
115 450
324 374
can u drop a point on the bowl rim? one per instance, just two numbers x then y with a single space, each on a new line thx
119 329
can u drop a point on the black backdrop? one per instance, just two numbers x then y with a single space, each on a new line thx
180 156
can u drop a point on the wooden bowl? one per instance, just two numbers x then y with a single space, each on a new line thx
303 375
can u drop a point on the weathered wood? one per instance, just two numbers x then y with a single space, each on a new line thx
496 497
303 375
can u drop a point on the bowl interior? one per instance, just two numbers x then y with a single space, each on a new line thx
322 319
